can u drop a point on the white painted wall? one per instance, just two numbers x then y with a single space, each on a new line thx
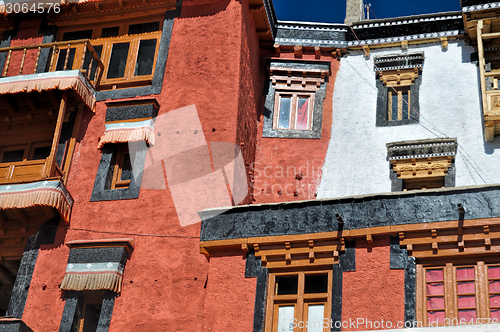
356 162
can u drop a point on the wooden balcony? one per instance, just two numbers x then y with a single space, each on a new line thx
28 171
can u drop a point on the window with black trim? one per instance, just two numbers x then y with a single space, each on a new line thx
398 83
128 52
299 300
294 102
88 311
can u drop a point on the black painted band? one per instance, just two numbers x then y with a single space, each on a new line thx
98 255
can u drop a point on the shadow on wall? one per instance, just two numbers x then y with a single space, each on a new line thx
195 8
489 147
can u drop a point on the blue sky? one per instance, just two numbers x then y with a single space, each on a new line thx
333 11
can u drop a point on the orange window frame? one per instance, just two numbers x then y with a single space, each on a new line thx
129 79
116 182
300 301
292 124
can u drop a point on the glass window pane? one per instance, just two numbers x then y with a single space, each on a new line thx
494 272
145 57
495 286
126 168
285 318
466 315
495 314
41 153
315 316
284 116
405 105
143 27
435 303
110 32
302 113
88 57
12 156
394 106
465 273
467 301
435 289
434 275
76 35
118 60
92 313
436 316
62 58
467 287
287 285
315 283
494 301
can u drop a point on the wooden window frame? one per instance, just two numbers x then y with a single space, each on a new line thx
295 95
482 292
129 79
88 297
300 301
116 183
399 90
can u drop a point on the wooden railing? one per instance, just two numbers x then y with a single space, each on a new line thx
29 170
81 55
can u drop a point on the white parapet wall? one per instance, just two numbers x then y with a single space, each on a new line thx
356 162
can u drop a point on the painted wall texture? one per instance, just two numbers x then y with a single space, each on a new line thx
356 162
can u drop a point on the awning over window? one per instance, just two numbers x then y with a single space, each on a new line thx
128 131
58 80
42 193
96 267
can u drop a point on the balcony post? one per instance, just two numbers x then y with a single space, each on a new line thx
57 134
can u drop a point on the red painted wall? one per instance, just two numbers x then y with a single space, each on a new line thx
373 292
213 62
26 35
290 169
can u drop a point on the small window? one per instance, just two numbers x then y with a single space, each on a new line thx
76 35
399 104
293 111
10 156
143 28
121 169
302 298
118 60
88 312
40 151
145 57
110 32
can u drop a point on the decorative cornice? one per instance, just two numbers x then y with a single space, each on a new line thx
403 20
422 149
421 36
399 61
312 42
301 26
485 6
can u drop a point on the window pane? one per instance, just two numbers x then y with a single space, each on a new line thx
285 318
110 32
495 314
435 289
467 315
62 58
92 313
434 275
88 57
145 57
287 285
394 106
143 27
315 316
75 35
284 116
494 272
435 303
405 105
126 168
494 301
41 153
118 60
12 156
465 273
467 301
435 316
302 113
316 283
495 286
467 287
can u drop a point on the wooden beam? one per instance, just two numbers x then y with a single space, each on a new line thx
277 48
49 211
2 219
21 215
10 107
57 134
491 35
72 142
404 45
444 43
367 51
31 103
297 50
5 274
317 52
489 131
482 79
53 98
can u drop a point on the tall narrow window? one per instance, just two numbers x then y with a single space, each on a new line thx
118 60
87 313
122 169
399 104
145 57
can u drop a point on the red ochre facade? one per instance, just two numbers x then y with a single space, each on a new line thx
214 62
